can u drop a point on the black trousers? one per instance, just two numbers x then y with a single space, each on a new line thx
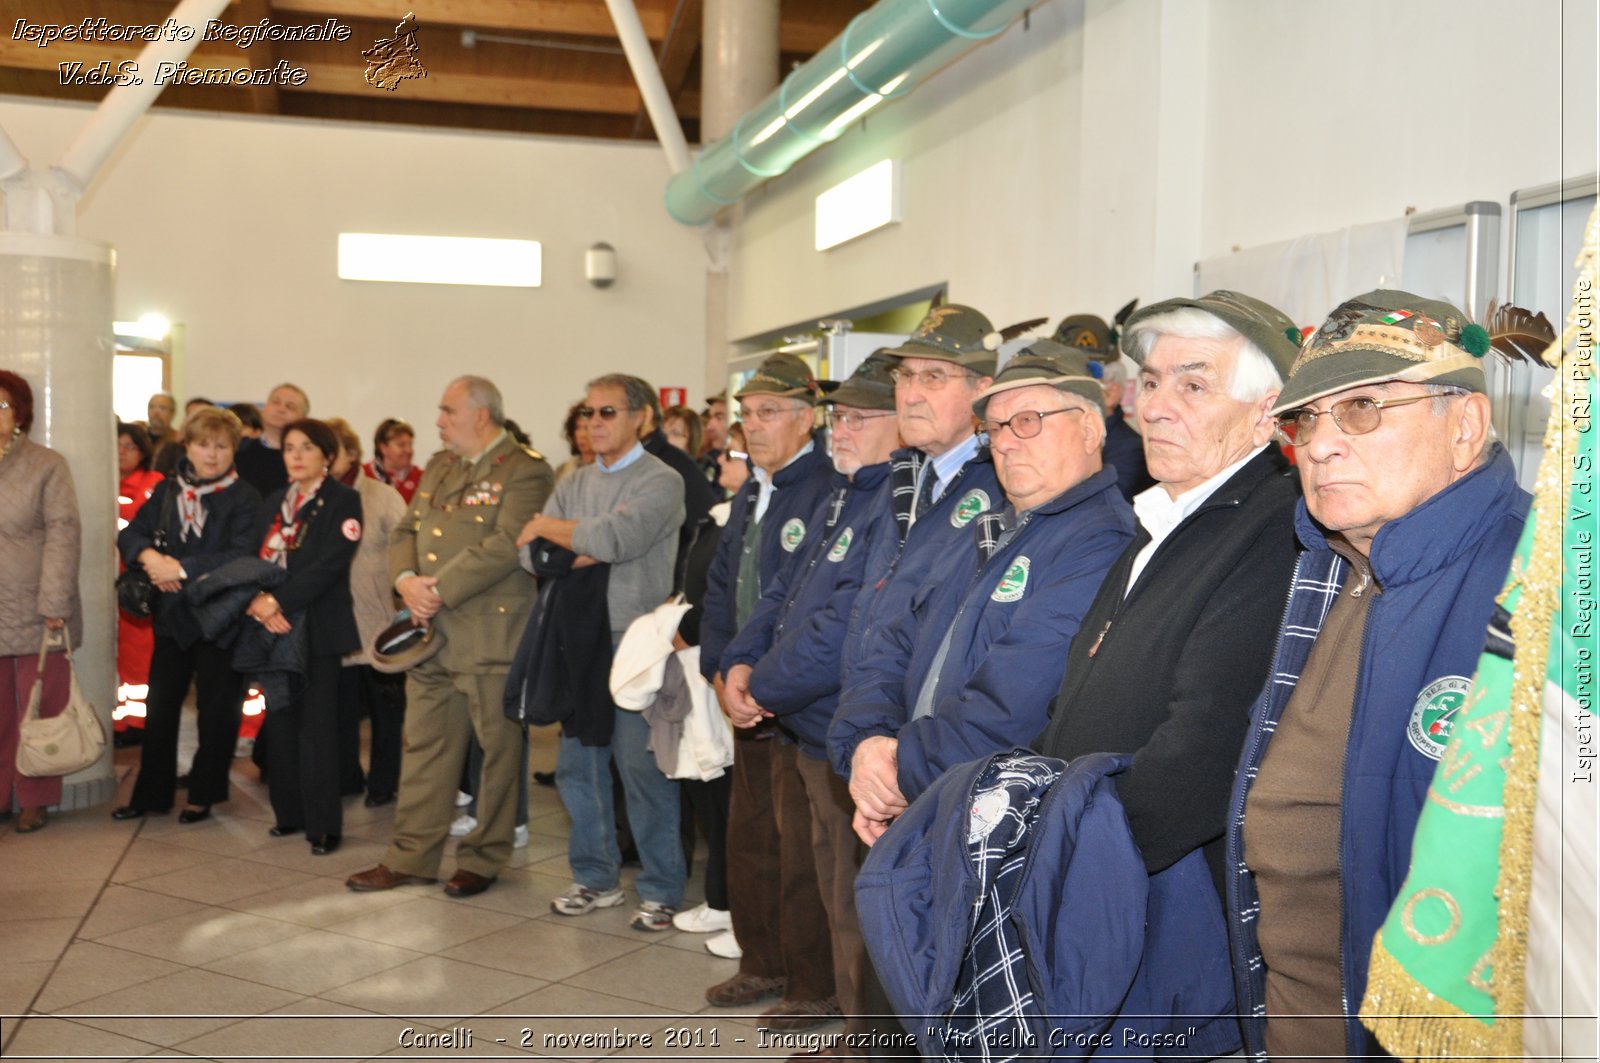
218 693
363 690
709 803
303 753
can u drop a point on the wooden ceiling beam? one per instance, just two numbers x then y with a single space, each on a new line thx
579 18
680 50
346 79
263 98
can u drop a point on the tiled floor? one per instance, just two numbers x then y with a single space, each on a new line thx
216 941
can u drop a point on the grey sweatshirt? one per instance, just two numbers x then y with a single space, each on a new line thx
629 519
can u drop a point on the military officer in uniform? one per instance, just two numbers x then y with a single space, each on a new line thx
453 561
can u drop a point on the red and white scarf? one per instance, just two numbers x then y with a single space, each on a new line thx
284 535
192 492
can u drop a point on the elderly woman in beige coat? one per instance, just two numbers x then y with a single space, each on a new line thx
384 696
40 542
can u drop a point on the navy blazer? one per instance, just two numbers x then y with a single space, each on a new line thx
229 533
318 587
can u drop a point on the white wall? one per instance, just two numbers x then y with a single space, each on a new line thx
1096 155
229 226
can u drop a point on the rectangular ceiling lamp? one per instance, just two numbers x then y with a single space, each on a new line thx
439 260
869 200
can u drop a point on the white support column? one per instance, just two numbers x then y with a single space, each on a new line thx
739 66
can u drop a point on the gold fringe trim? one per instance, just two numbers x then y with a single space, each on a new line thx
1537 609
1402 1013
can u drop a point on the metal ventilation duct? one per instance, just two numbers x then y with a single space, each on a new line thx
883 54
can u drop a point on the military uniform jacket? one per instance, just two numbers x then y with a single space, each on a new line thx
461 528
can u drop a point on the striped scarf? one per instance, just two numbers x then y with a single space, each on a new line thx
903 481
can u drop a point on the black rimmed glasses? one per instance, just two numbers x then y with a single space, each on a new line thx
1024 425
1355 417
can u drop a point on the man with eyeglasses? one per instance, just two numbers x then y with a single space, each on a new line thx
938 485
453 562
1410 516
1177 642
970 666
778 917
784 663
622 510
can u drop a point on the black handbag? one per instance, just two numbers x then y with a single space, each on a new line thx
136 595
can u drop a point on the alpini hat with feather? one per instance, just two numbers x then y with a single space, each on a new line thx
1387 335
957 334
782 374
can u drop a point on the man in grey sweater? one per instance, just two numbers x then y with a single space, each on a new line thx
624 510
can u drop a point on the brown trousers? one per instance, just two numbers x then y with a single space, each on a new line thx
778 914
837 852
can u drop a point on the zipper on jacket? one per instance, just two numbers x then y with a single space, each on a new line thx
1236 815
1098 639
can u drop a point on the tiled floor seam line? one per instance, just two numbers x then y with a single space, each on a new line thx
84 918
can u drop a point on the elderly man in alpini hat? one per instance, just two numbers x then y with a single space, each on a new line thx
1176 645
778 916
970 667
1409 520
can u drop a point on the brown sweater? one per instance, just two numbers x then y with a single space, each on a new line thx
1291 833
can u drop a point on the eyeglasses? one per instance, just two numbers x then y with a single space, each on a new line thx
1024 425
765 414
4 405
1355 417
927 379
853 419
605 413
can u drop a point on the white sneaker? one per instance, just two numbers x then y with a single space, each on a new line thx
703 919
520 841
463 799
581 899
724 945
463 826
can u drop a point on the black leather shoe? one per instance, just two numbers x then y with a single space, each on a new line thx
545 778
378 800
324 845
194 815
127 812
280 831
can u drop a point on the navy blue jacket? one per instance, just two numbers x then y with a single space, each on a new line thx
230 532
786 527
795 639
896 568
1439 569
1071 944
1008 643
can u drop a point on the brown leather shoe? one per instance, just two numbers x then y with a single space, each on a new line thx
381 878
743 989
31 819
466 883
792 1015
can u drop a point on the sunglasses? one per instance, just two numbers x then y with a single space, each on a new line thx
605 413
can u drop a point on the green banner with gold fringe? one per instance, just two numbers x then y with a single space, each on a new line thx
1448 967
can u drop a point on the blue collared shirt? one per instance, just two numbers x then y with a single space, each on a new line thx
623 462
943 468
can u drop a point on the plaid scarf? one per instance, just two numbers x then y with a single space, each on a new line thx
286 530
993 530
903 480
191 490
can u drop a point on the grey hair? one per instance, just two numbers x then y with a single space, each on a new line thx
483 395
298 390
1114 372
1253 373
639 394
